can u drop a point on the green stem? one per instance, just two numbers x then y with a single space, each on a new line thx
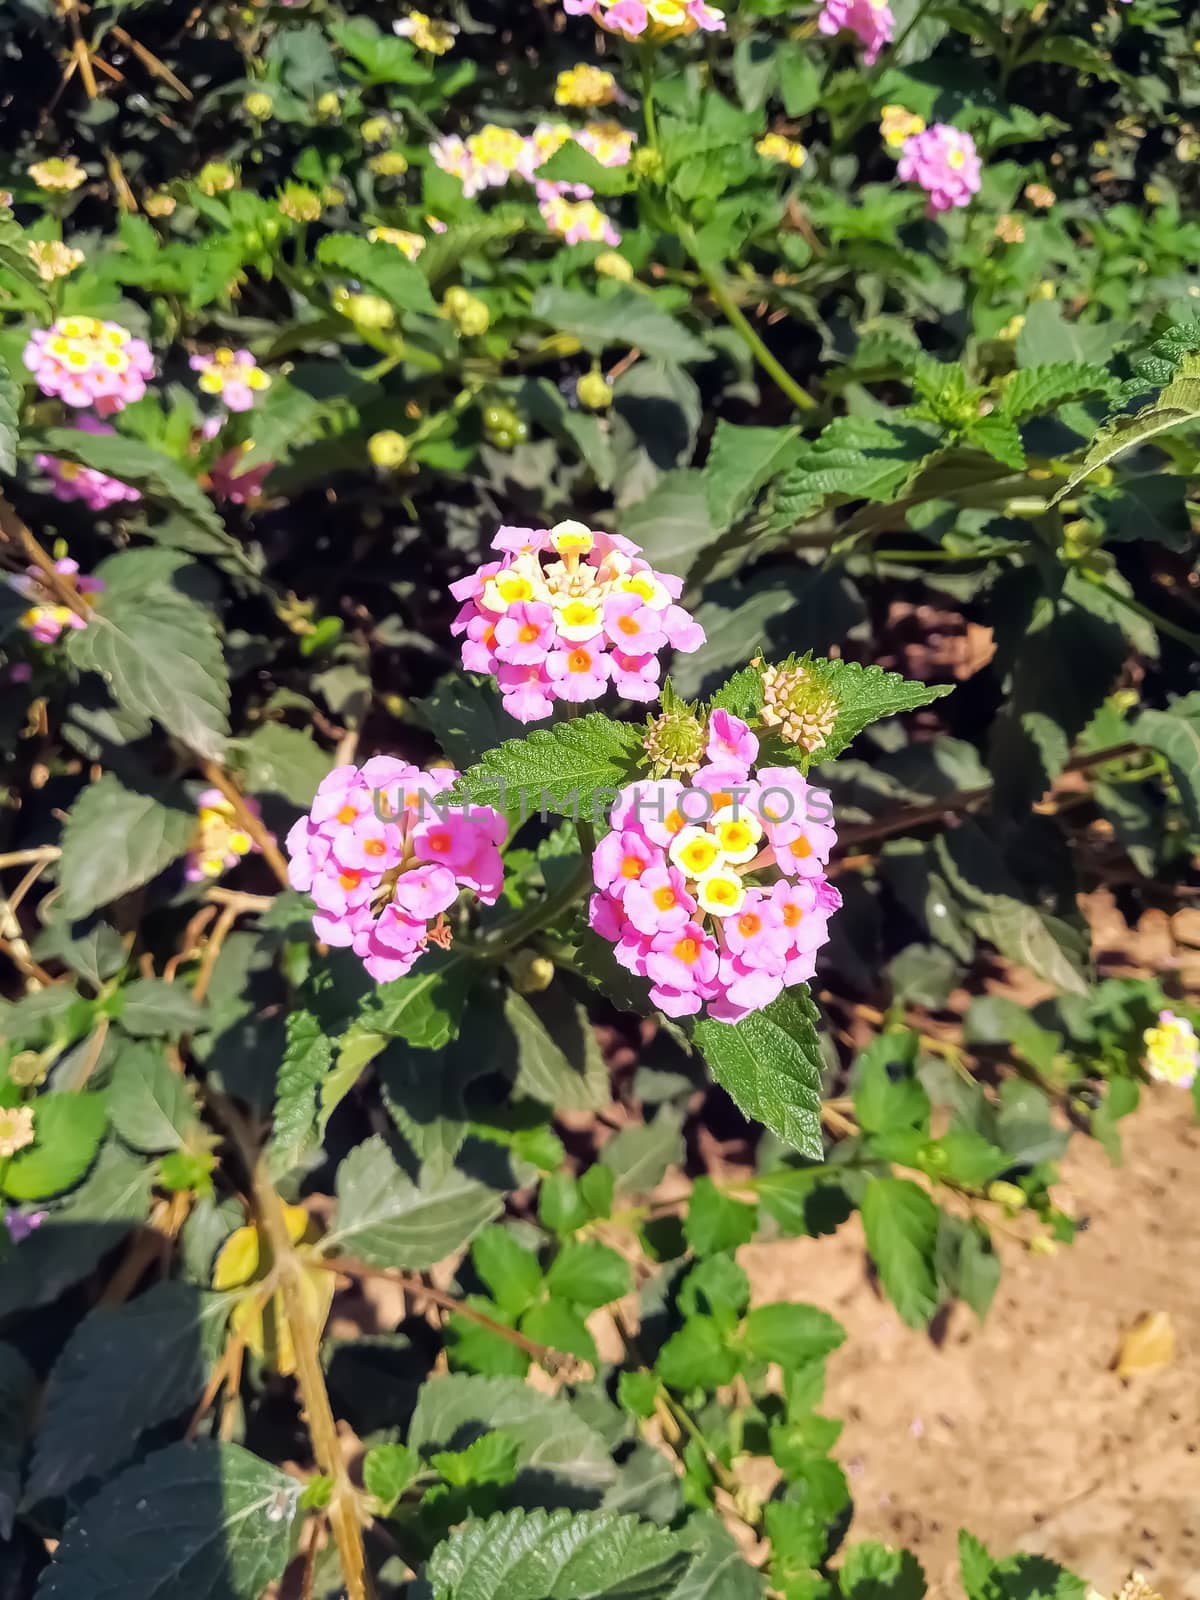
498 944
648 96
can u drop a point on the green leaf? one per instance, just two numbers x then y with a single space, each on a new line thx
716 1221
638 1156
1027 936
556 1555
10 420
865 695
545 1072
740 461
383 58
67 1130
855 458
278 760
464 714
1179 402
559 1449
149 1104
492 1458
388 1221
901 1224
561 1327
627 318
510 1271
125 1369
568 769
571 163
115 839
873 1571
1037 391
161 657
886 1095
151 1008
188 1523
306 1060
588 1274
770 1064
791 1335
967 1266
1018 1577
380 266
1175 734
388 1469
671 523
696 1356
423 1008
443 253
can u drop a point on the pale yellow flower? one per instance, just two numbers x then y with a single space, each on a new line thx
1172 1051
427 33
410 243
1040 194
1010 229
61 173
585 86
896 125
53 259
299 203
16 1130
774 147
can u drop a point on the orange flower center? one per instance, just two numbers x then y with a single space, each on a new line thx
632 867
374 847
791 916
580 661
628 625
527 632
664 898
347 814
438 842
749 925
687 951
800 848
349 880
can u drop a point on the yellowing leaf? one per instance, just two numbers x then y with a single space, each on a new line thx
265 1329
237 1260
1147 1344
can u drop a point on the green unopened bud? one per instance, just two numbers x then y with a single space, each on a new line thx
674 741
27 1069
1042 1245
258 104
647 163
609 264
388 449
530 973
797 703
594 391
300 203
470 315
389 164
215 177
329 106
1007 1195
369 312
377 130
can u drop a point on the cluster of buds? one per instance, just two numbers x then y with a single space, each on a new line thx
85 362
897 126
871 21
796 702
787 152
97 490
427 33
47 617
385 855
653 20
1172 1051
234 376
586 88
564 628
221 841
716 891
944 161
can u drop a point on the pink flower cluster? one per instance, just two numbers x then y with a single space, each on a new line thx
717 892
85 362
384 860
658 20
220 841
943 160
46 618
97 490
232 375
871 20
565 628
569 211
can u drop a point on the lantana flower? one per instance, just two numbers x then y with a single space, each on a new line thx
60 174
385 856
870 20
16 1129
716 892
47 617
85 362
427 33
608 142
897 125
586 87
569 211
54 259
233 375
97 490
656 20
221 841
410 244
943 160
1172 1051
566 611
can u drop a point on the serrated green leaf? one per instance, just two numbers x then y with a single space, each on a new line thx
873 1571
150 1106
161 657
715 1221
424 1008
115 839
510 1271
626 318
151 1008
740 461
189 1522
567 769
770 1064
545 1072
1178 403
866 694
901 1225
697 1356
277 760
10 419
1175 734
791 1335
1017 1577
388 1469
67 1130
1037 391
389 1221
588 1274
124 1370
381 266
302 1070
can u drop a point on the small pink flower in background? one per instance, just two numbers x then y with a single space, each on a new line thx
943 160
717 894
233 375
566 612
657 20
71 482
385 858
220 841
47 618
870 20
20 672
21 1224
85 362
569 211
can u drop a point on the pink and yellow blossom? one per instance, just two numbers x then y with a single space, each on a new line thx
85 362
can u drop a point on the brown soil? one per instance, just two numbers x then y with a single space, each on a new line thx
1019 1430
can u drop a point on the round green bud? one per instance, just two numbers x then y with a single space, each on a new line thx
594 391
388 450
370 312
258 104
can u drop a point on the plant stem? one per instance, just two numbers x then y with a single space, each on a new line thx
648 96
1163 624
498 944
306 1337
